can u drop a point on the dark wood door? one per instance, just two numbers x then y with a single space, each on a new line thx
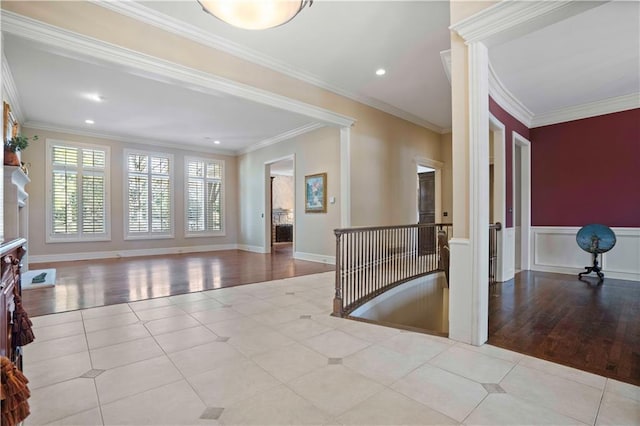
426 212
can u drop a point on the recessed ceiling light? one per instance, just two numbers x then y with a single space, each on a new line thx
94 97
381 71
216 142
89 121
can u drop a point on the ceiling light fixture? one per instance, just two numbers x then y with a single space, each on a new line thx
381 71
216 142
89 121
94 97
254 14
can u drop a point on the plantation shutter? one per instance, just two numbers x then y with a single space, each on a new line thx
149 194
78 192
204 188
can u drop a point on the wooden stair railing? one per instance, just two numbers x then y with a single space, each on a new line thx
372 260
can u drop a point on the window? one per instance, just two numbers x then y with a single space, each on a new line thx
77 182
149 195
203 197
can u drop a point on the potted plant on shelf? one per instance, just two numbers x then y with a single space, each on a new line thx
12 146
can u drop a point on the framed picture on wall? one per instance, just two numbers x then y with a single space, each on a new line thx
315 193
10 124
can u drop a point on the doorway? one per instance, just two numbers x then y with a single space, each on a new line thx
426 209
282 203
522 201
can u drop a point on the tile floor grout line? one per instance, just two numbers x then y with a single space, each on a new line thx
560 376
604 389
475 408
95 385
184 377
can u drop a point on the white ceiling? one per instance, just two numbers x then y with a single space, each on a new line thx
337 45
53 91
341 44
586 58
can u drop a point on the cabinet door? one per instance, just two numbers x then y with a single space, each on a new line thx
6 311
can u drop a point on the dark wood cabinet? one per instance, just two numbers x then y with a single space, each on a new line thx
11 254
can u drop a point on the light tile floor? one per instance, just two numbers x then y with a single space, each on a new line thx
269 353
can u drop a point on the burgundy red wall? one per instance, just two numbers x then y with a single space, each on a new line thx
586 171
511 125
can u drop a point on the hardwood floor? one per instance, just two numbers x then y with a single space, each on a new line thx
90 283
561 319
550 316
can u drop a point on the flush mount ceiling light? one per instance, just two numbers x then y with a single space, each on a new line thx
89 121
254 14
94 97
381 71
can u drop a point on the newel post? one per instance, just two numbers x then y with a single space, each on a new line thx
337 300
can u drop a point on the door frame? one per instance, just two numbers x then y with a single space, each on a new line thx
525 198
437 166
504 270
267 201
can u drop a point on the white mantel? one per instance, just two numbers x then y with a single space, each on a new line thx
16 206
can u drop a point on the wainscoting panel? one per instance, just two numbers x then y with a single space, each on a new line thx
555 250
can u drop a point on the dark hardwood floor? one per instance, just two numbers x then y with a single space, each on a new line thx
561 319
90 283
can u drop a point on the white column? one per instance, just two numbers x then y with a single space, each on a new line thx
469 285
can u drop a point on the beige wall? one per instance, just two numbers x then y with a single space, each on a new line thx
36 154
315 152
383 169
447 178
383 147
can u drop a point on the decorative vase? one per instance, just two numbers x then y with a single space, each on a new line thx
11 158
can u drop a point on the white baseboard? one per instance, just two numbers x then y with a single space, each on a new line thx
312 257
555 250
128 253
252 249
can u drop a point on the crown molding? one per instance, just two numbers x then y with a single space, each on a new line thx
497 91
512 18
503 97
36 125
11 90
167 23
281 137
445 57
591 109
87 48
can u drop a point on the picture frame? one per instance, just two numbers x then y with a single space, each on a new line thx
10 124
315 193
